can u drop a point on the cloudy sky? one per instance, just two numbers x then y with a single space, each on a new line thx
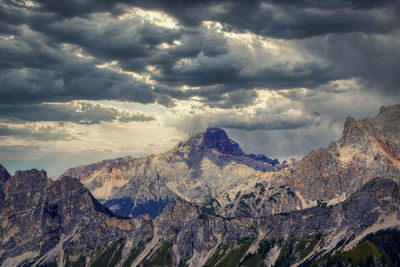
86 80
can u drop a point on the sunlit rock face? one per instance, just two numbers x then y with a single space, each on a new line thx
367 149
46 218
195 234
210 169
196 170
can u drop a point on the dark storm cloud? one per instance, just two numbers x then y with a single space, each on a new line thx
266 119
79 112
131 41
283 19
235 99
32 70
41 64
224 78
287 19
373 58
75 8
70 82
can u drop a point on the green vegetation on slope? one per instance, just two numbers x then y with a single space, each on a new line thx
81 262
225 256
218 255
163 257
378 249
133 254
110 256
257 259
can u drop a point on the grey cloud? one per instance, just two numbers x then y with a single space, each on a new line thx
33 69
166 101
36 66
373 58
262 119
107 38
44 132
287 19
217 76
282 19
235 99
136 117
78 7
284 144
70 82
77 112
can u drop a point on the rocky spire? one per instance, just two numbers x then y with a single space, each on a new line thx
216 138
213 139
4 176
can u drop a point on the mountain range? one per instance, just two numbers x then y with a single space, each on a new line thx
211 204
201 168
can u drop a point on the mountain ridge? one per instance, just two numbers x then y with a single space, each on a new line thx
366 149
320 211
327 175
183 230
46 218
181 173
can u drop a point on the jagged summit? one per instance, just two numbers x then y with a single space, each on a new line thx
4 175
44 217
326 203
202 167
216 138
212 138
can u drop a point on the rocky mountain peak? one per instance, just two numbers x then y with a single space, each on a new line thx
351 132
44 217
213 139
4 175
216 138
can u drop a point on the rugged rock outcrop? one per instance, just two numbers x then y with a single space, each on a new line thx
4 176
196 170
60 223
44 221
194 238
367 149
321 210
249 185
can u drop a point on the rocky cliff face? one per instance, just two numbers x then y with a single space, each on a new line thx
366 150
44 221
330 208
4 176
191 237
249 185
196 170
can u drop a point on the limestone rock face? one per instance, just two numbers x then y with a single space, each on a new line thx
215 138
200 168
49 218
195 235
4 176
367 149
228 207
208 166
